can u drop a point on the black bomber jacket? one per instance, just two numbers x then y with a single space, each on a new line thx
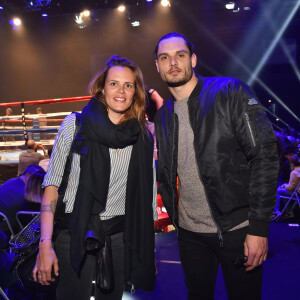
235 150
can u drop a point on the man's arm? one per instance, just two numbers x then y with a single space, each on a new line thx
44 150
258 142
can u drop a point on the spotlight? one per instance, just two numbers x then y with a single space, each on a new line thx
270 101
135 23
1 7
44 15
277 120
230 5
86 13
78 19
17 22
148 0
121 8
236 10
247 8
165 3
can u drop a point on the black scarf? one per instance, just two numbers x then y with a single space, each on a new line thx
96 135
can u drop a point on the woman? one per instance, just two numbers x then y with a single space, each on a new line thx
111 176
287 189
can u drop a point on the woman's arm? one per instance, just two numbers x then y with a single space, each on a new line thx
46 258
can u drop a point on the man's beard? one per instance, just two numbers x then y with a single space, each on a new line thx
180 81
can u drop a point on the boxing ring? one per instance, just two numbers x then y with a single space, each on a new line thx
16 130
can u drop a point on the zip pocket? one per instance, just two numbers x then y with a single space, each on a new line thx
250 129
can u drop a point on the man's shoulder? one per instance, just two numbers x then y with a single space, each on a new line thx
220 82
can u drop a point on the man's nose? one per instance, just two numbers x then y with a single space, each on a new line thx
173 62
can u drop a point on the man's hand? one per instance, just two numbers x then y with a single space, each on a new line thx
256 249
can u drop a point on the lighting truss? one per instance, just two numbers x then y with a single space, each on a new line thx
33 5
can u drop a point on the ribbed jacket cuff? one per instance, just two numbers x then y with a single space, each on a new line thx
259 228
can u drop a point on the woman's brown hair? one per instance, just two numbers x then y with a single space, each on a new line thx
137 108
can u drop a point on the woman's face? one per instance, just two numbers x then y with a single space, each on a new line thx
118 91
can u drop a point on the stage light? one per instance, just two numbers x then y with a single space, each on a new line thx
121 8
277 119
274 43
1 7
135 23
230 5
148 0
31 3
236 10
247 8
44 15
165 3
78 19
270 101
17 22
86 13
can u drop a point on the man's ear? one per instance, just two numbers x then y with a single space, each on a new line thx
194 60
157 68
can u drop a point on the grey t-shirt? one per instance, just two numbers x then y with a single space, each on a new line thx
193 211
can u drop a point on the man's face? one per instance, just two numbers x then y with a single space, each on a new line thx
174 63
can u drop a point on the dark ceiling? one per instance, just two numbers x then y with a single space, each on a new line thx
22 7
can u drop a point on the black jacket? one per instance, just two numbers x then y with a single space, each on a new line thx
235 150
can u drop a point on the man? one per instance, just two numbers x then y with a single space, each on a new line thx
213 133
31 156
12 198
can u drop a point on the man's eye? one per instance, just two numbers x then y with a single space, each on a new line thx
163 57
181 55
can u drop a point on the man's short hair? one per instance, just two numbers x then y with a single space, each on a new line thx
30 144
188 43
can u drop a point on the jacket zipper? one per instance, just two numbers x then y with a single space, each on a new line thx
250 129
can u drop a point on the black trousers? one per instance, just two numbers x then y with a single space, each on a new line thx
72 286
201 255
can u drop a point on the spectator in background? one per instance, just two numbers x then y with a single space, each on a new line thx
45 162
287 189
12 197
8 112
31 156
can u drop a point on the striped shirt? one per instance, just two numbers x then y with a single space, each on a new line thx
119 161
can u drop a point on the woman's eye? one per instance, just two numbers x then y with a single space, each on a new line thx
113 84
129 86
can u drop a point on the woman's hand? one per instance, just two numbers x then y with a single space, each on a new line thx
45 261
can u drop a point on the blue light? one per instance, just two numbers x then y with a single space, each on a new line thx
31 3
1 7
44 15
149 0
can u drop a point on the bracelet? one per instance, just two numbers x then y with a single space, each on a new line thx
150 93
